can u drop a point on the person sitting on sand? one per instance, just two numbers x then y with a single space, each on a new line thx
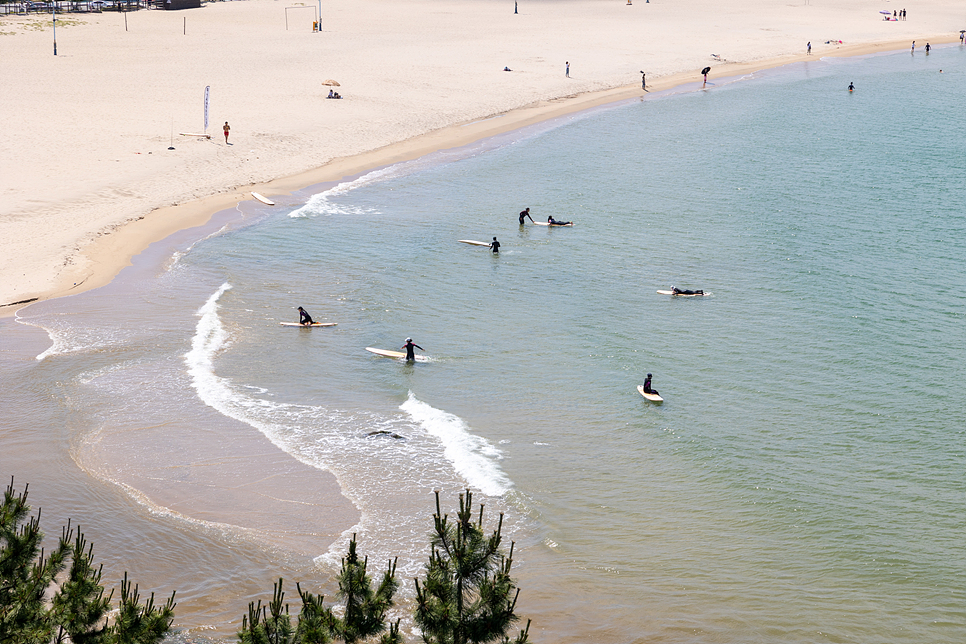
679 291
647 386
554 222
331 94
410 352
337 95
304 318
507 69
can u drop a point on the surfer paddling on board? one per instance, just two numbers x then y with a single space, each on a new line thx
680 291
647 386
553 222
304 318
410 352
525 214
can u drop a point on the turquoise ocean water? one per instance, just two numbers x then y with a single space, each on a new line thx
804 481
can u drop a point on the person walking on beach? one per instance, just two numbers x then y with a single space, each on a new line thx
808 48
304 318
705 72
227 129
568 69
643 81
496 245
525 214
913 47
410 348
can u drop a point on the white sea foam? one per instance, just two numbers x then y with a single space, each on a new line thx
473 456
70 339
388 478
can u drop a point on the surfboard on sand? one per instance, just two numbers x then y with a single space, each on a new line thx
399 355
683 294
264 200
308 326
652 397
544 223
473 242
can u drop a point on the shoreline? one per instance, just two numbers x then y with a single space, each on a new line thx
110 252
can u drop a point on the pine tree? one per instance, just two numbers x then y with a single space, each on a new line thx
37 606
467 596
363 615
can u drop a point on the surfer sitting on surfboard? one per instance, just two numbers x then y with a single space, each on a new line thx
678 291
553 222
647 386
304 318
410 353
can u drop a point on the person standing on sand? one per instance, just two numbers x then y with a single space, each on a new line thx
808 48
227 129
643 81
568 69
525 214
913 47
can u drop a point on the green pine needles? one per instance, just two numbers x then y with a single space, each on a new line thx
40 604
364 610
467 596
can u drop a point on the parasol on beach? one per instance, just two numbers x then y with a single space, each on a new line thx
888 13
332 83
705 70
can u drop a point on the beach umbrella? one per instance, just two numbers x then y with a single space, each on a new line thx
888 13
332 83
705 70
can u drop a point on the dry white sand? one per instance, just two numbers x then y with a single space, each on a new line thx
87 180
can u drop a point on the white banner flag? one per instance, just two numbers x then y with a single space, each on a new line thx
207 87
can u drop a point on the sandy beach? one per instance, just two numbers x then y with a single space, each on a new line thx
88 180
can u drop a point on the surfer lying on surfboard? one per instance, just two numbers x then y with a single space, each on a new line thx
553 222
304 318
410 353
678 291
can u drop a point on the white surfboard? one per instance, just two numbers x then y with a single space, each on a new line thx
264 200
683 294
544 223
652 397
394 354
473 242
308 326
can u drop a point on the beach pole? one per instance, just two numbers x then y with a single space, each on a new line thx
55 29
320 16
125 21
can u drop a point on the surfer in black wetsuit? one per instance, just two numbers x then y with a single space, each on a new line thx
525 214
647 386
409 347
851 87
495 245
304 318
679 291
554 222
